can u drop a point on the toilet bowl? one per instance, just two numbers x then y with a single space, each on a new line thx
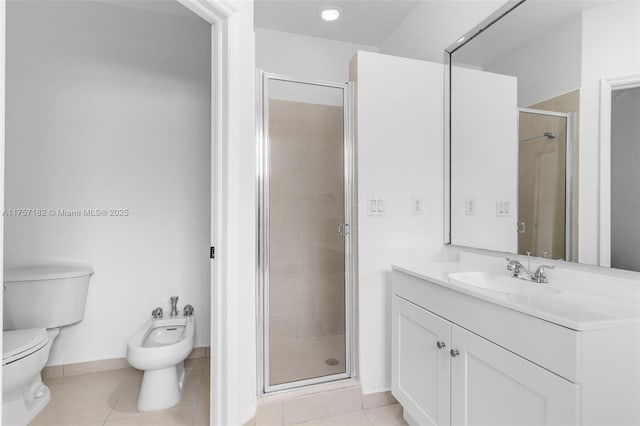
38 300
159 348
24 355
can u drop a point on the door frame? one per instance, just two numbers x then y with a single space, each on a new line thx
262 245
569 197
607 86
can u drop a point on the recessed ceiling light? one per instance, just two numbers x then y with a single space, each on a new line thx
330 13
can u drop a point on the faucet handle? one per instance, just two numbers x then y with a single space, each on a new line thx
157 313
188 311
541 268
538 275
514 267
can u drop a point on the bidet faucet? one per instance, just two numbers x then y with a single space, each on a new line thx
174 306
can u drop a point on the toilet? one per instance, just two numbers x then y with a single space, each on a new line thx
159 348
38 300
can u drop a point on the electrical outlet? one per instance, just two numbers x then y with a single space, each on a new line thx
416 205
470 206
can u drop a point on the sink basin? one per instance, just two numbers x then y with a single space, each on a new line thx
502 283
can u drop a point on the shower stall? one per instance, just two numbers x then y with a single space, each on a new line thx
545 183
305 260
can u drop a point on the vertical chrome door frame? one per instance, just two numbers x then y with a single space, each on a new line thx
569 175
262 136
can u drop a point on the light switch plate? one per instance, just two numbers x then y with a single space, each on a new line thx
375 206
503 208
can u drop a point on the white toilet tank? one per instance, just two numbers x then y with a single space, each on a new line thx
44 296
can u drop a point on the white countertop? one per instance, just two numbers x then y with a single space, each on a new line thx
568 307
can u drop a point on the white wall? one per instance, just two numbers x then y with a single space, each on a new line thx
615 55
239 259
305 57
400 153
484 157
435 24
547 66
108 107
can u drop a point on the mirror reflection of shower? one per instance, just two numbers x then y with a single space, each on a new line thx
542 183
548 135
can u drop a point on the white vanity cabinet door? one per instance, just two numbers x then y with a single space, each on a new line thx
492 386
421 379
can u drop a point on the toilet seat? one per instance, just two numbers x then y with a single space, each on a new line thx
17 344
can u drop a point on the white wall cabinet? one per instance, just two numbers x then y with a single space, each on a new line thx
443 374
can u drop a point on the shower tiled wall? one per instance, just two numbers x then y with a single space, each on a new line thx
569 102
306 204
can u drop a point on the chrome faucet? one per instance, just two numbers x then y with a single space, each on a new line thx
516 268
539 276
156 313
174 306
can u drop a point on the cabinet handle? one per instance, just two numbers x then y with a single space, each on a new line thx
440 345
455 352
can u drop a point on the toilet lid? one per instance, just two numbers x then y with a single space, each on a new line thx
17 344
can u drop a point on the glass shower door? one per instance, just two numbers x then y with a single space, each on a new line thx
305 233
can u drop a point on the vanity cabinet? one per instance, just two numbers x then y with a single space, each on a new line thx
511 367
444 374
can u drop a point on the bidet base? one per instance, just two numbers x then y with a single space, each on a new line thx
161 389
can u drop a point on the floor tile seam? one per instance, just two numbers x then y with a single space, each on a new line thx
328 417
148 413
89 381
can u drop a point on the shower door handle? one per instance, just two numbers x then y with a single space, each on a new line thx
343 229
522 227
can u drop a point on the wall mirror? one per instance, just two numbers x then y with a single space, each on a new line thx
543 132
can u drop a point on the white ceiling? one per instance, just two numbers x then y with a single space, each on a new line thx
527 22
363 21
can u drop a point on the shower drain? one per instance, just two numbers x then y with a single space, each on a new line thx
331 361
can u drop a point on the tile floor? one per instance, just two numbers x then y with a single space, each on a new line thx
388 415
109 398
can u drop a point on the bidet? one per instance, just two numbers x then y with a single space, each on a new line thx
159 348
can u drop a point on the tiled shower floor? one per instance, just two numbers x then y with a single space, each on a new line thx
297 360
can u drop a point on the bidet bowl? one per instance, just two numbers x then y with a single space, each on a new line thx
161 356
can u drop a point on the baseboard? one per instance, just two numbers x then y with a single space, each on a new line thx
106 365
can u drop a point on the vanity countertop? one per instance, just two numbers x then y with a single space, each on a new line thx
563 303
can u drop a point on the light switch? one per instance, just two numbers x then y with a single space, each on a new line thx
375 206
503 208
